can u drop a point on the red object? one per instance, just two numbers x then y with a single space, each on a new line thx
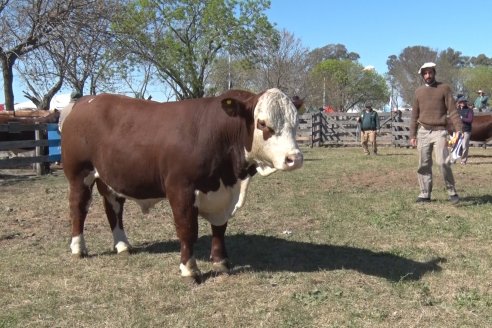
328 109
2 107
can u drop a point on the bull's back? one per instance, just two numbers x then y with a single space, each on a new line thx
140 141
109 121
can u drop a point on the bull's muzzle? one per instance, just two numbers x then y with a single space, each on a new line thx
293 160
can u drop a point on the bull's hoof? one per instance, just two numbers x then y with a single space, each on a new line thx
124 253
193 280
221 267
80 255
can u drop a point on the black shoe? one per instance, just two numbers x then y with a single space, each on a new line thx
455 199
423 200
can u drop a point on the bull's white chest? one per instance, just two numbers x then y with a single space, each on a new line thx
218 206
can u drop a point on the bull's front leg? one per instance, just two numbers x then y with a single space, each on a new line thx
218 254
186 222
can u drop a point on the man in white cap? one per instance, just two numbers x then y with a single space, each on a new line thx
481 101
433 103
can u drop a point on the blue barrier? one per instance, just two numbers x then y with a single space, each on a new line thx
54 142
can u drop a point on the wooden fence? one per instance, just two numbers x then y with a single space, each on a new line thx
315 130
341 129
46 145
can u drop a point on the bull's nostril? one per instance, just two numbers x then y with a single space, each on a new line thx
294 160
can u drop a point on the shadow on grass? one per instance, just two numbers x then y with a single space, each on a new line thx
12 178
477 200
266 253
479 163
479 156
395 154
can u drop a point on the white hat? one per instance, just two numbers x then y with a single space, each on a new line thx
480 91
427 65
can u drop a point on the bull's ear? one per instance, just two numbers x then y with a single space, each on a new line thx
232 106
298 102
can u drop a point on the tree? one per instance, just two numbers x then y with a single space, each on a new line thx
232 73
481 60
280 64
42 75
477 78
284 65
182 38
331 51
403 69
24 27
348 85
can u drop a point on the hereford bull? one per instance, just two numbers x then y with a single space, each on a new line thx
199 154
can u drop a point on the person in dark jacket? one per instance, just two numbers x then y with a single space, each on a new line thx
369 126
466 115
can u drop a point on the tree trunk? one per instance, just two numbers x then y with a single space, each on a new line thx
8 61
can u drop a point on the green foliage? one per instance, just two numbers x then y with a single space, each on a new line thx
476 78
348 84
464 74
183 38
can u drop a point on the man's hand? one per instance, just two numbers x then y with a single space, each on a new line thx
413 142
454 138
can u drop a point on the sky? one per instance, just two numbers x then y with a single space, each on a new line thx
377 29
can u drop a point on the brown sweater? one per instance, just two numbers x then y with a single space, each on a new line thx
431 106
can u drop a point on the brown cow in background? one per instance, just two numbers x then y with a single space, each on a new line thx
481 128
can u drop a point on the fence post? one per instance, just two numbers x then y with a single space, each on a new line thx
41 167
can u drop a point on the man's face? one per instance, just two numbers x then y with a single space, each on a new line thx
428 75
462 104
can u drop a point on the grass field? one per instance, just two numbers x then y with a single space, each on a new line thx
339 243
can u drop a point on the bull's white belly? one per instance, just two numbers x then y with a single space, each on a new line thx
218 206
214 206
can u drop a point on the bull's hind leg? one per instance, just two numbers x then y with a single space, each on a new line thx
113 206
79 202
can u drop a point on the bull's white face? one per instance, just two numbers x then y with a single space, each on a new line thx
274 139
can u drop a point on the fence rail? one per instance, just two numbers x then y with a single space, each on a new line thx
315 130
39 144
341 129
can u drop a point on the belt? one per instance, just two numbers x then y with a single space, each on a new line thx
432 127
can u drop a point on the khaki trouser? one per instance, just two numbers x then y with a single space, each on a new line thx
368 136
466 146
428 140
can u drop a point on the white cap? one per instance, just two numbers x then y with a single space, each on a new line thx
427 65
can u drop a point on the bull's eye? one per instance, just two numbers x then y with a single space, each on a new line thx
268 132
261 125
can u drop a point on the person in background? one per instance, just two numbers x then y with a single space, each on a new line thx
481 101
466 115
369 126
432 104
